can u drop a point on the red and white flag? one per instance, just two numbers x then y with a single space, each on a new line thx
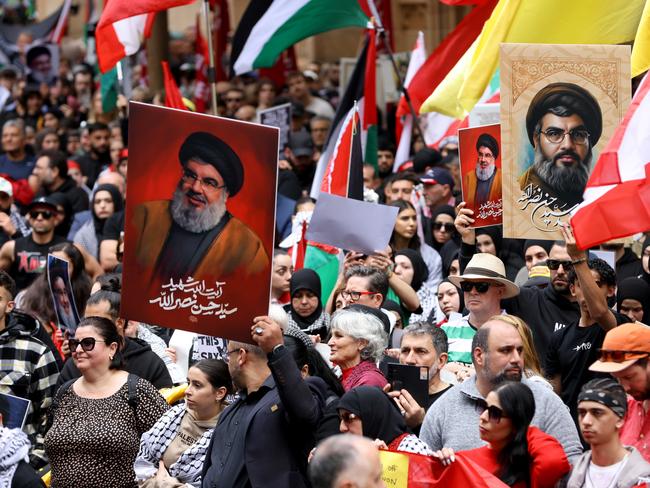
617 197
122 26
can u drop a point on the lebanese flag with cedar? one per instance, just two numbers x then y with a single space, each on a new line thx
617 197
122 25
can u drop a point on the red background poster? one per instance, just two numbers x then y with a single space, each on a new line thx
155 136
467 138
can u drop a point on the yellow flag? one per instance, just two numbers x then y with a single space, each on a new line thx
641 48
539 21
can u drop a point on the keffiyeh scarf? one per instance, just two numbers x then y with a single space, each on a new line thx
155 441
14 447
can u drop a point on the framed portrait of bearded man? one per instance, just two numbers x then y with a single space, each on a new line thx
560 105
199 221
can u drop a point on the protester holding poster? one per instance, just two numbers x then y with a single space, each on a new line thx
188 252
480 166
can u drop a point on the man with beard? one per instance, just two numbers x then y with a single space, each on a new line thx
98 158
497 353
544 310
564 122
194 234
483 184
39 62
52 171
624 355
63 302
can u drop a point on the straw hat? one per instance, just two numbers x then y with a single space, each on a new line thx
487 267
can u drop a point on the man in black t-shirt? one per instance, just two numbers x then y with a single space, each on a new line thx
575 347
26 257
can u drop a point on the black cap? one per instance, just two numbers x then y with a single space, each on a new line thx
205 147
43 202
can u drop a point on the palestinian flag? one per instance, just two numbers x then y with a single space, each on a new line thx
268 27
360 91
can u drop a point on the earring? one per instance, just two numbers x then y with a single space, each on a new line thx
110 357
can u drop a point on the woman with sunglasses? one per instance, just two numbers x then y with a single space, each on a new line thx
172 451
405 236
443 229
368 411
97 420
519 455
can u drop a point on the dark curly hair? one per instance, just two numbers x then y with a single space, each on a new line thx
604 270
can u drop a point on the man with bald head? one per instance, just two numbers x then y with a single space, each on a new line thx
346 461
497 354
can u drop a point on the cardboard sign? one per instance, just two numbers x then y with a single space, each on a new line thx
65 307
351 224
280 117
199 222
13 410
560 105
479 151
395 469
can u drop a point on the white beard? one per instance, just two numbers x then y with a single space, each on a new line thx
485 174
67 319
191 219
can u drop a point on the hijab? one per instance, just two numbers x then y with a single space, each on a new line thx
636 289
420 270
380 417
305 279
117 205
495 234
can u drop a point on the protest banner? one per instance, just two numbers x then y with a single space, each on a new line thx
42 64
65 307
200 219
479 151
280 117
560 105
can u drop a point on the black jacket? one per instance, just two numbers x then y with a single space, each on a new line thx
279 430
140 360
629 266
77 198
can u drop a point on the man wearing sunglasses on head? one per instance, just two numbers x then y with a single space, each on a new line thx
26 257
544 310
573 348
624 355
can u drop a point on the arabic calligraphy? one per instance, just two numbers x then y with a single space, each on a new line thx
195 296
546 211
490 209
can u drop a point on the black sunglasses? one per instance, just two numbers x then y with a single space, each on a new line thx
608 355
444 225
495 414
87 343
46 214
481 286
554 264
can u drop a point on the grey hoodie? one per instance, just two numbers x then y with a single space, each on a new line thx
635 467
452 421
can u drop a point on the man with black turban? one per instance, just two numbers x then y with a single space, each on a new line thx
194 234
483 184
564 122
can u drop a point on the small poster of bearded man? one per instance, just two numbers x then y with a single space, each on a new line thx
199 223
480 167
560 104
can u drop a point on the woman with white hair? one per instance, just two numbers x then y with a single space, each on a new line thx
357 342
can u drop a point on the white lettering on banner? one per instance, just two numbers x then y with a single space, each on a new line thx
491 208
194 296
558 326
547 212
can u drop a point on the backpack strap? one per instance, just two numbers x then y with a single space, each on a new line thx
132 383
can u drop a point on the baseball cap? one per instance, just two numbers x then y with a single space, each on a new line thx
438 176
538 276
622 347
43 202
6 187
300 143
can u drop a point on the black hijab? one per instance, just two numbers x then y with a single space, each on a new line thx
379 414
495 234
645 276
636 289
117 206
305 279
420 270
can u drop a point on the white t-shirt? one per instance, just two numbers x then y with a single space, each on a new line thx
604 476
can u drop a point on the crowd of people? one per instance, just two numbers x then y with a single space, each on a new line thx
535 352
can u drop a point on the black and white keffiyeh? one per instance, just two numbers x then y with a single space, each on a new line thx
14 447
155 441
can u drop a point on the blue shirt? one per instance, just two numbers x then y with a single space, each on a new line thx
17 170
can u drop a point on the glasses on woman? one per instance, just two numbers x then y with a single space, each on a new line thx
87 343
348 417
495 414
448 227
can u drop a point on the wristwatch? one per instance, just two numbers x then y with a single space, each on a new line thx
276 350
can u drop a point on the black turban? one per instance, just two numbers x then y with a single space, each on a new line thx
210 149
486 140
35 52
574 98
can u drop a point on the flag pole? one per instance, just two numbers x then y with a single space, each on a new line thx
382 34
212 72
